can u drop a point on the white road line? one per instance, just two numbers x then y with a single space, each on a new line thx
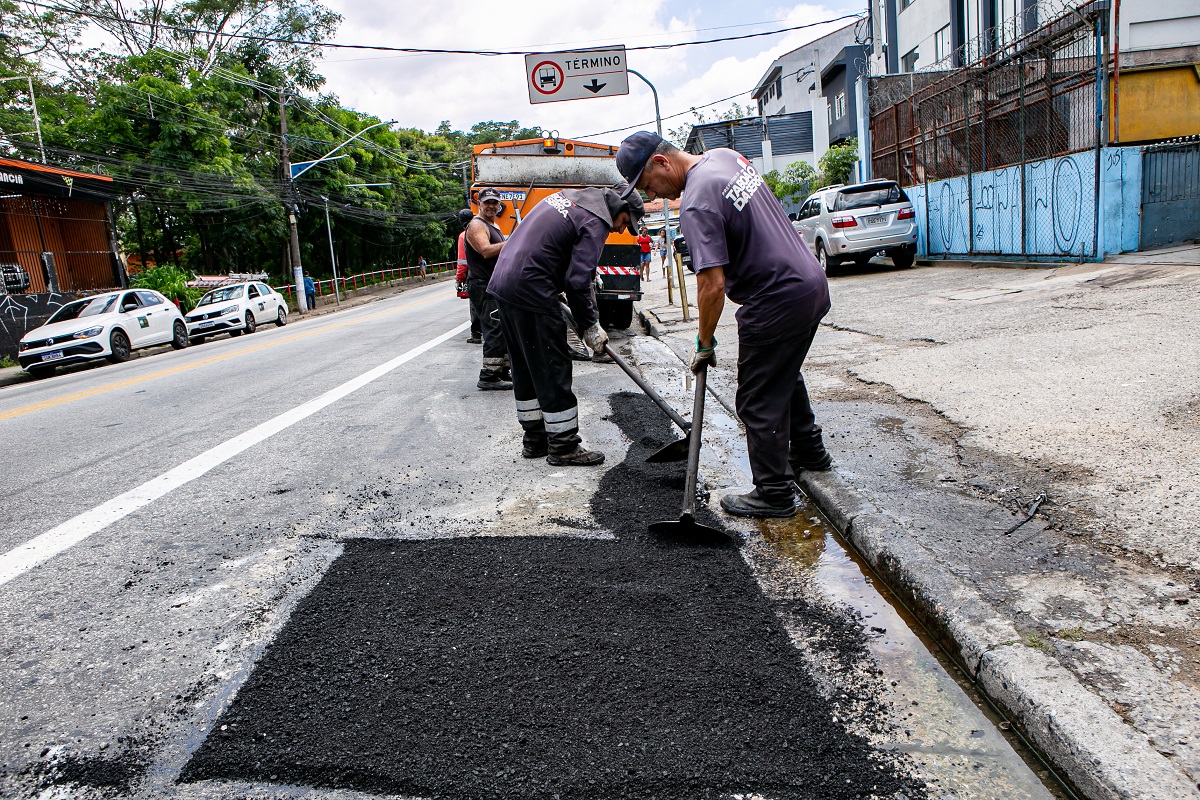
42 548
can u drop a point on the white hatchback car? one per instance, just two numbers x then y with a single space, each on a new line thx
236 309
110 325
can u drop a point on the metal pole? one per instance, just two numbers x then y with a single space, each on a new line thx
1024 201
1101 80
337 295
293 233
1116 94
970 191
666 206
37 121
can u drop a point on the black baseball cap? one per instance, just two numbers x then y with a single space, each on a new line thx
634 154
489 194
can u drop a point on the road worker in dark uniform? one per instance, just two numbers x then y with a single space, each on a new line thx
484 242
555 251
744 246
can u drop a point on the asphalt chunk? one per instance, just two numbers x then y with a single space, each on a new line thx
481 668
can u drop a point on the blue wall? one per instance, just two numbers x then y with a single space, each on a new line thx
1057 215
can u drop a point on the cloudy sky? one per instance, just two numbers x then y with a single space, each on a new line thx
422 90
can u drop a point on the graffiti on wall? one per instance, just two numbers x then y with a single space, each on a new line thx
20 313
1053 201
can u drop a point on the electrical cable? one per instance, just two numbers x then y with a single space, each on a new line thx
389 49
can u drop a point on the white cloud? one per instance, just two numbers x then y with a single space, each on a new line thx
422 90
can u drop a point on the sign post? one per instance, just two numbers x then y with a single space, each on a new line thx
576 74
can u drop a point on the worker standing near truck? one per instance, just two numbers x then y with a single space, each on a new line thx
464 217
484 242
555 250
743 245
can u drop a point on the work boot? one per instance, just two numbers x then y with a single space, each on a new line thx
751 505
474 340
818 462
535 450
577 458
601 357
493 381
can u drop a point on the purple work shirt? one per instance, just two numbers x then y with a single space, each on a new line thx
555 249
732 219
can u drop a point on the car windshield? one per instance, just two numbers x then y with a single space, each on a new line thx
221 295
84 308
869 196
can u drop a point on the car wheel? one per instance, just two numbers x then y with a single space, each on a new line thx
250 326
180 340
902 257
118 343
281 317
37 373
822 256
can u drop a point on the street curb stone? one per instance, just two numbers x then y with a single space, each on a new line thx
1074 729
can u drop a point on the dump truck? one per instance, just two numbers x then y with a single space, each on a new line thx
527 171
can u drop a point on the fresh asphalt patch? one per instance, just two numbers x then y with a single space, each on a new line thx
546 667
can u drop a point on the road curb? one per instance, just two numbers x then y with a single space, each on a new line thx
1088 742
1076 731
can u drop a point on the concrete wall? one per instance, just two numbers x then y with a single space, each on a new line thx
1058 214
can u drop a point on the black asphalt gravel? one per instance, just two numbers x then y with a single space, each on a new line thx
487 667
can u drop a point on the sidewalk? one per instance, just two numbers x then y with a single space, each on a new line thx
325 305
953 398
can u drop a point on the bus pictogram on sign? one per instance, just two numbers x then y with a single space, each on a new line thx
547 77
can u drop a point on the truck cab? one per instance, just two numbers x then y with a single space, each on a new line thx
527 171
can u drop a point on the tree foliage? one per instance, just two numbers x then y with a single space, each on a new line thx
838 162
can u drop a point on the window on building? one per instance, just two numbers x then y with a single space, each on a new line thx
906 3
941 44
779 87
909 62
839 105
829 113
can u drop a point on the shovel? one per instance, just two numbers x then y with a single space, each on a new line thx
675 451
686 530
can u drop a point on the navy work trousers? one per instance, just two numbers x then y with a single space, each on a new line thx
772 402
495 350
541 376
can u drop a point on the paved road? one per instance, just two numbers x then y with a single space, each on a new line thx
187 528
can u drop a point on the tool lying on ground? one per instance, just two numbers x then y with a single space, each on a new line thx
686 530
675 451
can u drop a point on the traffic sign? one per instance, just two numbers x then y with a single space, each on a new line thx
576 74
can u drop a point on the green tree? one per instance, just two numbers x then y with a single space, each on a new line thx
838 162
796 182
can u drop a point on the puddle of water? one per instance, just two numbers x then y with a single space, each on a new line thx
945 725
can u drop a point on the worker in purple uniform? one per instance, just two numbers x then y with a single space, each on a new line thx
555 251
743 246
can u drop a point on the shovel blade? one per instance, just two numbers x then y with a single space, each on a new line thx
686 531
675 451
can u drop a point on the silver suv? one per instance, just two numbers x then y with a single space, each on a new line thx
856 222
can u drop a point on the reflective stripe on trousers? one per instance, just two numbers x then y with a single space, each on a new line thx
562 421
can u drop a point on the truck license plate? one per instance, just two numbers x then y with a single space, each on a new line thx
623 297
53 355
875 219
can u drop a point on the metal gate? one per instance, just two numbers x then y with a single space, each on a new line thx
1171 193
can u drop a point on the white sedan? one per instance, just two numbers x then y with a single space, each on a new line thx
236 309
110 325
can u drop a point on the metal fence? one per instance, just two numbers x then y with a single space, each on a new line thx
1016 109
1171 193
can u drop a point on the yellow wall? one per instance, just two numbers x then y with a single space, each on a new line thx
1158 103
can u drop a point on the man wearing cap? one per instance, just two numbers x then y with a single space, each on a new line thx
484 242
743 246
555 251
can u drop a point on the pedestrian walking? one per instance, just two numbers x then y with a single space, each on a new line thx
662 251
743 246
555 250
421 264
310 293
484 243
464 217
644 242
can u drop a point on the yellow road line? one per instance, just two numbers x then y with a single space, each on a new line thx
163 373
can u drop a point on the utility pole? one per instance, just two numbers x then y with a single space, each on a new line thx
289 204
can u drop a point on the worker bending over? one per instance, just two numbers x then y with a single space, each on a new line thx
555 250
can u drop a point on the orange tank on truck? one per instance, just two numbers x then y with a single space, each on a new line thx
527 171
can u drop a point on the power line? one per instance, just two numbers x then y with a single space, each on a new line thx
428 50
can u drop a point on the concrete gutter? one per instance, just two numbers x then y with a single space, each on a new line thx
1076 731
